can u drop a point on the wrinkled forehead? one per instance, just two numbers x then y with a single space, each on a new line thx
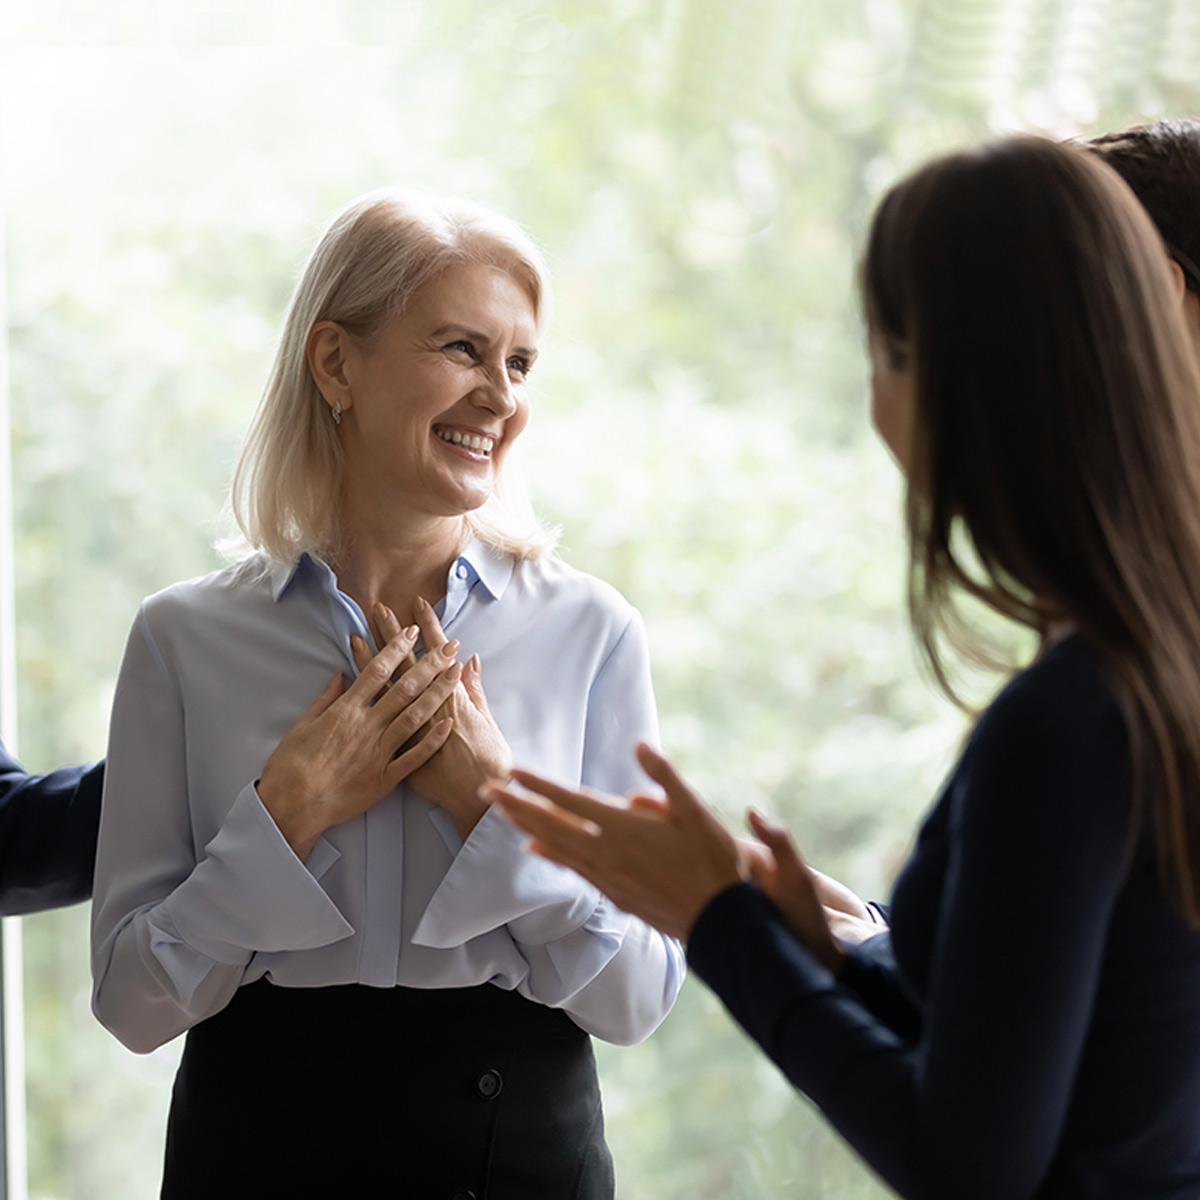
488 301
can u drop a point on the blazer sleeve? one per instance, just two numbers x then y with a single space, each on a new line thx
869 970
48 829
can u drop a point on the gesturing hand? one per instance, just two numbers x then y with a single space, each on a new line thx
850 920
344 754
661 858
475 750
795 889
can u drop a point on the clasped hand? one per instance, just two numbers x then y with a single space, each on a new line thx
356 743
474 750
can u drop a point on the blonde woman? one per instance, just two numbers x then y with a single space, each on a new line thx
382 994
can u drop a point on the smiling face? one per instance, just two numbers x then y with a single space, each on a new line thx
432 406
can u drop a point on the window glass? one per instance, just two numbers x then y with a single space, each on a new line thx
700 174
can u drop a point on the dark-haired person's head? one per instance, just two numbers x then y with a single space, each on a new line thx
1032 374
1160 162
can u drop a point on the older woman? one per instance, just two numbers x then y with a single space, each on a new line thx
1039 1035
382 993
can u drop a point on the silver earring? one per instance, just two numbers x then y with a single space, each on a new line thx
337 413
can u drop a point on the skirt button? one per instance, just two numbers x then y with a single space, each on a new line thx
488 1085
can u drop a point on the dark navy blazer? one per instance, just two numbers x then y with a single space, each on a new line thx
48 828
1037 1036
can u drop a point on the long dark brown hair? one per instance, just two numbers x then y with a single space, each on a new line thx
1055 465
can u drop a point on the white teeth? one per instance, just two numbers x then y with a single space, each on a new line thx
471 441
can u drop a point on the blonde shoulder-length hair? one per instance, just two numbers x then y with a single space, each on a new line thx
370 261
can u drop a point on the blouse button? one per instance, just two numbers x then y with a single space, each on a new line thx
461 571
488 1085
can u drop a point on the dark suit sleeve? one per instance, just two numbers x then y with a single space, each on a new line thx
48 829
870 972
1040 821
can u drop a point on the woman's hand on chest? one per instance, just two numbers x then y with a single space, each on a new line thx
475 751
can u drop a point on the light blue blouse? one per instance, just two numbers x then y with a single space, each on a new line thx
196 890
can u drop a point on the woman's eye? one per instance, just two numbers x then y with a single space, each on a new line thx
462 347
520 367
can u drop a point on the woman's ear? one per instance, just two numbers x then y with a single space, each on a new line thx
325 351
1179 279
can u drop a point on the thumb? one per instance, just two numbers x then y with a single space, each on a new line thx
683 800
777 839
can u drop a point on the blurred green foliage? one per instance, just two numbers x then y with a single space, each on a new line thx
700 172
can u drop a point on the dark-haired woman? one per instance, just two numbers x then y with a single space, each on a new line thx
1039 1035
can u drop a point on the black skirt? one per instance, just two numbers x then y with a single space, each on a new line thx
355 1091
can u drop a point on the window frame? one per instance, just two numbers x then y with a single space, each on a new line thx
14 1184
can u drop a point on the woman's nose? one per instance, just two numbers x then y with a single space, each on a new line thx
496 394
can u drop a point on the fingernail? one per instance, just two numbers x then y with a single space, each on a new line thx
455 671
387 613
411 632
356 642
449 649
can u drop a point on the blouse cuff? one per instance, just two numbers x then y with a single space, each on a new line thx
495 881
251 893
582 958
